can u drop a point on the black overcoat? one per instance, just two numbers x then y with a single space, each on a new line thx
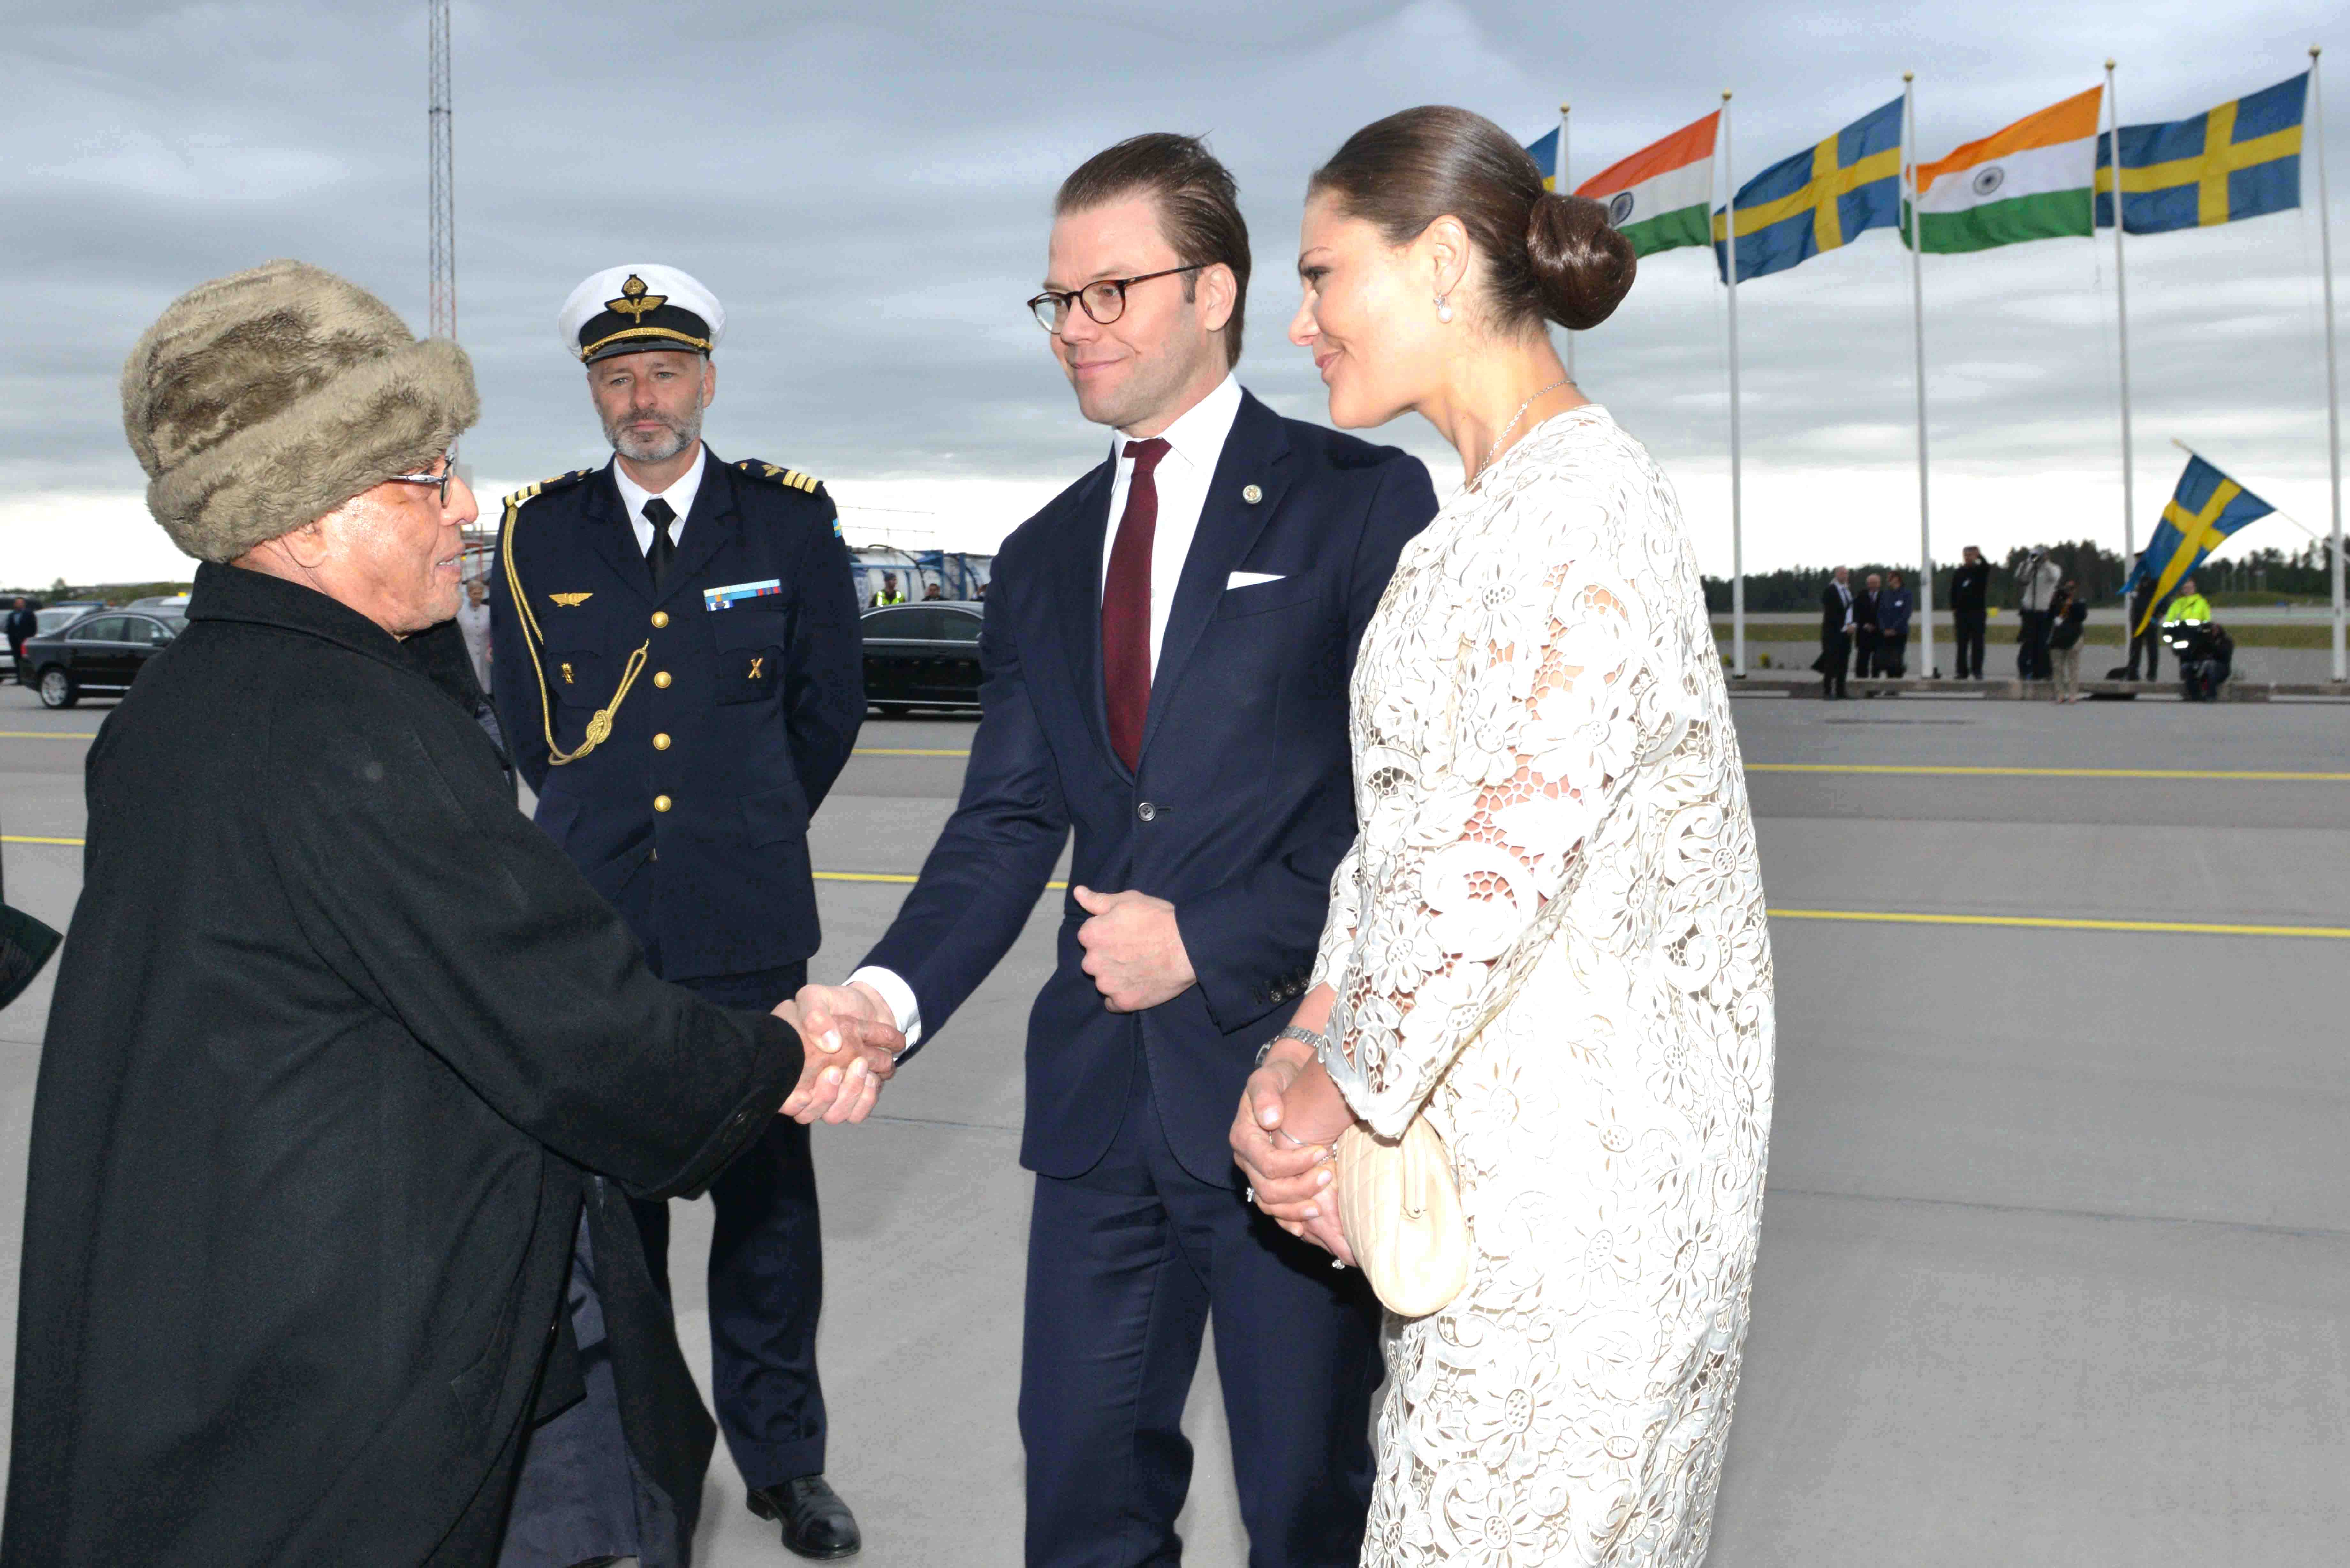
335 1035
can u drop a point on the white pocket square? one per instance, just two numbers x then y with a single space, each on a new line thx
1251 579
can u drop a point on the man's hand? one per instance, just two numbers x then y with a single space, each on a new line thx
851 1043
1133 950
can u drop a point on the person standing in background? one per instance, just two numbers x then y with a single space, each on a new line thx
1864 627
1836 634
23 624
473 623
888 594
2068 612
2144 612
682 680
2035 590
1895 606
1970 611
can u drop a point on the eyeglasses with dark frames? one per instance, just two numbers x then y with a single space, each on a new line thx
448 471
1105 301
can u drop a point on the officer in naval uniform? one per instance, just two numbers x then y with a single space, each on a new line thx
680 679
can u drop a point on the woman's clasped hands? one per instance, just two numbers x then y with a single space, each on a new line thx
1290 1116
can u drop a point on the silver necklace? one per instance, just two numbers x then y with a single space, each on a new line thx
1495 450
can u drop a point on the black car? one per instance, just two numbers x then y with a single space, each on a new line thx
98 655
922 656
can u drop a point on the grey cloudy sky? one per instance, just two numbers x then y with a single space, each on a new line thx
867 186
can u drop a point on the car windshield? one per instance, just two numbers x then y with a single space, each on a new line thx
58 619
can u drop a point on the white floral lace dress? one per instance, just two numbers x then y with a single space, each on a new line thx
1539 713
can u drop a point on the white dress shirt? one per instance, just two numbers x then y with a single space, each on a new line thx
679 497
1196 444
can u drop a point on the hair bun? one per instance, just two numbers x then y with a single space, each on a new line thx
1582 264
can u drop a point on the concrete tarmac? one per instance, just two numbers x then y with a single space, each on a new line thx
2058 1230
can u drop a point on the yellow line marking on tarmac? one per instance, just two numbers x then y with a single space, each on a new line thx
1884 769
2247 776
1898 769
2055 923
899 877
1886 917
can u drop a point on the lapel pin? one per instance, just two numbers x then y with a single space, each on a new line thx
1251 494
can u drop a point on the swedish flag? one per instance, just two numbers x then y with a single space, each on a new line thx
1544 149
2238 160
1819 199
2204 510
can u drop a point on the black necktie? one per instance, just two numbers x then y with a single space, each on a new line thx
661 514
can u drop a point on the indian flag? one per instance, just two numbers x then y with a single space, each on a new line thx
1658 197
2030 182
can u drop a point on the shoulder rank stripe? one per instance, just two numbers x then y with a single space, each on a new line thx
790 477
531 491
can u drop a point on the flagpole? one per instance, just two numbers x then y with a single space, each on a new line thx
2332 381
2121 307
1565 190
1737 515
1918 325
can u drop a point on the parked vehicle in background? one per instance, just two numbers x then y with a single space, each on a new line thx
55 618
922 656
159 601
98 655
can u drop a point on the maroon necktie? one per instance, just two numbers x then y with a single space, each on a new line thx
1126 605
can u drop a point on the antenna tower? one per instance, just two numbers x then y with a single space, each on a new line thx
443 263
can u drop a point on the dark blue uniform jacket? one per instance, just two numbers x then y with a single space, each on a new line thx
1241 809
692 817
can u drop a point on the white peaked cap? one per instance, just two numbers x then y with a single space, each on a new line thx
636 308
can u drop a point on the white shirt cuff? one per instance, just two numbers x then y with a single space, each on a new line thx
907 1011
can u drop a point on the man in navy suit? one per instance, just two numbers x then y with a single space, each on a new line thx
1165 657
682 680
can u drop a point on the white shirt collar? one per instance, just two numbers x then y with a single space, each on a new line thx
1198 434
679 497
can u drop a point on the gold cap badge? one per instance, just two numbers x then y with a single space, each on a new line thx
636 300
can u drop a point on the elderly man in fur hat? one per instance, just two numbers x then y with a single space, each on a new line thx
341 1043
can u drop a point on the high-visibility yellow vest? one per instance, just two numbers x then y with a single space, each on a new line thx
2187 608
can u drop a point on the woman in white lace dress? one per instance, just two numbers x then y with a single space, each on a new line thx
1539 715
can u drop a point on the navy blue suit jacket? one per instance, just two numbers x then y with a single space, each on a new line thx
740 719
1239 812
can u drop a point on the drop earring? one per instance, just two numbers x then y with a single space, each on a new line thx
1443 310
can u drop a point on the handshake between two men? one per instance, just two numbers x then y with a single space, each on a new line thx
1134 952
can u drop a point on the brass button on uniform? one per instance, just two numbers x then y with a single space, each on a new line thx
661 802
661 619
660 742
660 677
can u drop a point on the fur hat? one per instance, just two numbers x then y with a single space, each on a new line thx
264 399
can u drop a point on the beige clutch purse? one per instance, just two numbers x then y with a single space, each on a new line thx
1403 1217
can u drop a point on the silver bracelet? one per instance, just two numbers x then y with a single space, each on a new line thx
1304 1036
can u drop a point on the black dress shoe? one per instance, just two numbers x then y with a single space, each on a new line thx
817 1523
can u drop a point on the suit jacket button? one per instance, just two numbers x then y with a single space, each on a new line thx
1146 810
